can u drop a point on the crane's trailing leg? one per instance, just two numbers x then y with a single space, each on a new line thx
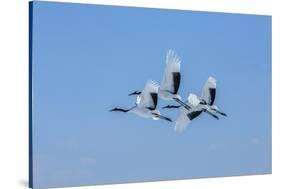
182 103
163 117
211 114
221 113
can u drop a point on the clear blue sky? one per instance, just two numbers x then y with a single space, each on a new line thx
87 58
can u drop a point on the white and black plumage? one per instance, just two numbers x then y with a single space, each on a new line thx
186 116
171 80
209 95
198 105
146 103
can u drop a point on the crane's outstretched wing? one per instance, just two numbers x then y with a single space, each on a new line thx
172 76
149 96
186 116
182 120
209 91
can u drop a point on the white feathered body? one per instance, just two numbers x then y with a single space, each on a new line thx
145 113
144 102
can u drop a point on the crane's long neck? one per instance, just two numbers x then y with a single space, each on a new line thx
171 106
135 93
121 109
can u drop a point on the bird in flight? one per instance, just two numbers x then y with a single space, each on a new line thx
198 105
146 103
209 95
171 80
